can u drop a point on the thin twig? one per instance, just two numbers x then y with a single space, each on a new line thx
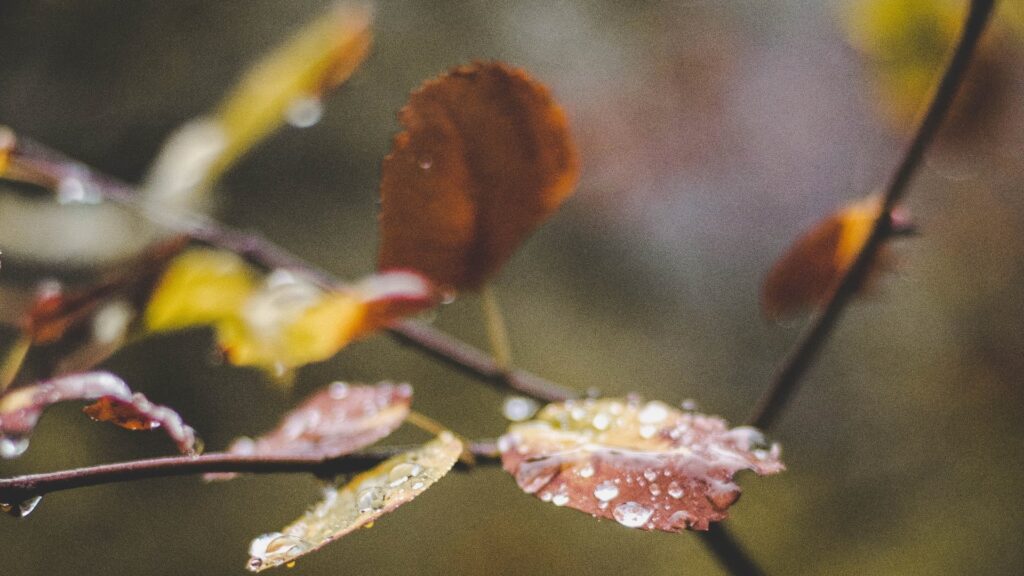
20 488
51 168
790 373
729 553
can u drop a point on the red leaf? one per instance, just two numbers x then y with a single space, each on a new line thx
21 408
485 158
338 420
645 465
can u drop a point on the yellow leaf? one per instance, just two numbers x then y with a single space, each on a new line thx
297 74
199 287
367 497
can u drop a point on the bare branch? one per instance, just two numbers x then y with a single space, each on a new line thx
790 373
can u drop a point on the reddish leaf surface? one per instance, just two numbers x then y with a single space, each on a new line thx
807 273
337 420
645 465
486 156
21 408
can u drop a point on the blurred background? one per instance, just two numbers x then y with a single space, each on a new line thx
712 134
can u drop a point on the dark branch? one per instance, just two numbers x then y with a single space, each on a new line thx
788 376
20 488
47 167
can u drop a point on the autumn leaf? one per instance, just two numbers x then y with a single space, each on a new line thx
644 464
287 84
280 321
21 408
7 142
359 503
807 273
337 420
485 158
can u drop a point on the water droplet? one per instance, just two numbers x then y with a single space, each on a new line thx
518 408
426 162
290 564
675 490
689 405
679 519
276 548
338 390
648 431
654 489
602 421
304 112
560 499
401 473
12 447
587 471
606 491
371 499
651 475
545 496
653 413
632 514
418 485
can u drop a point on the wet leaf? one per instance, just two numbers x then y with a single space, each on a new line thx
337 420
644 464
21 408
807 273
285 86
485 158
359 503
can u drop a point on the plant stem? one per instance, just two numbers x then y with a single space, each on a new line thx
497 331
788 376
728 552
20 488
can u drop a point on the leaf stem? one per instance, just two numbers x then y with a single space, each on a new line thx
790 372
497 331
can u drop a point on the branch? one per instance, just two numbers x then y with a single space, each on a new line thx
21 488
46 167
788 376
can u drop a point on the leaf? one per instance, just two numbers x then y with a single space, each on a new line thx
200 287
646 465
337 420
287 82
7 142
289 322
485 158
359 503
807 273
21 408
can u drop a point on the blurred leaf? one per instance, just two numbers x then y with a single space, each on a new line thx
906 44
360 502
807 273
283 321
288 82
485 158
7 142
21 408
200 287
645 465
335 421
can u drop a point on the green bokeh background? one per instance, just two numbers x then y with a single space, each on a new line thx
712 133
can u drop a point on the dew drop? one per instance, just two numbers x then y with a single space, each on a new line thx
654 489
338 390
675 490
606 491
12 447
587 471
426 162
602 421
560 499
652 413
651 475
371 499
304 112
632 514
518 408
679 519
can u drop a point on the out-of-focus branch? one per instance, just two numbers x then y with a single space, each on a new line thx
790 373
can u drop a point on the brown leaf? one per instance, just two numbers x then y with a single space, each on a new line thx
485 158
337 420
21 408
367 497
807 273
645 465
